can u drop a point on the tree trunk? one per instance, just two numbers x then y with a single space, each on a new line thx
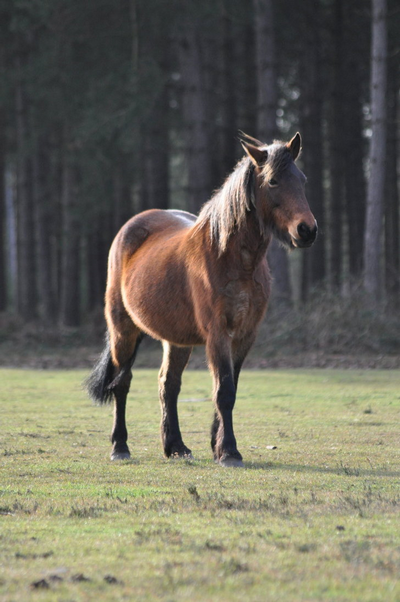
3 239
246 82
227 124
377 153
70 263
336 151
27 292
314 269
12 234
155 156
194 116
210 52
267 95
122 201
392 246
45 214
96 261
352 126
155 134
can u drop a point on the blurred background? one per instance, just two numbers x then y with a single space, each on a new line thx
111 107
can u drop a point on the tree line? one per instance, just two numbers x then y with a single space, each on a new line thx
109 108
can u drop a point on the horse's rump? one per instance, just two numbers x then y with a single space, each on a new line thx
149 258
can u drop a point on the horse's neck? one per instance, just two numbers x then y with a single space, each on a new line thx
250 243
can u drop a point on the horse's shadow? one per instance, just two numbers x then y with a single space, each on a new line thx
340 470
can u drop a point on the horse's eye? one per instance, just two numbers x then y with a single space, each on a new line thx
272 182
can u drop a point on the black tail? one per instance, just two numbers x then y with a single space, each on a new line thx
103 379
98 383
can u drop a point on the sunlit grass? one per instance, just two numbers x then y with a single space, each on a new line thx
317 518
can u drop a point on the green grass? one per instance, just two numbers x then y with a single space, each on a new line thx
317 518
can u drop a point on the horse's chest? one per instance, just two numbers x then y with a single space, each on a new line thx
237 302
244 306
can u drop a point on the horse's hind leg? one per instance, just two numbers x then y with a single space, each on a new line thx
125 338
174 362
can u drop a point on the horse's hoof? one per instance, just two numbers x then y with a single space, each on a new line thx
178 451
182 456
230 462
120 456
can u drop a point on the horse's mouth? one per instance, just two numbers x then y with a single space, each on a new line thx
296 243
291 242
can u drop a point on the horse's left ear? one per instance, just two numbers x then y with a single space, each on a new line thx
256 154
246 137
295 146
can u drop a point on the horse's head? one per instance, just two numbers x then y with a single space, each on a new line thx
279 192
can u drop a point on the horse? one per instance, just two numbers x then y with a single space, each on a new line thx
187 280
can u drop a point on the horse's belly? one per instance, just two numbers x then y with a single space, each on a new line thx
161 307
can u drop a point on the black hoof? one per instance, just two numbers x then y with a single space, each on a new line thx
230 462
185 456
233 460
180 452
120 454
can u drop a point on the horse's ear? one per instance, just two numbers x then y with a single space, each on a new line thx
295 146
246 137
255 153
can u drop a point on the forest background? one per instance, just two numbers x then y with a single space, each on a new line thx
108 108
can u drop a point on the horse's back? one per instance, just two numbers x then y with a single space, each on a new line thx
151 223
184 216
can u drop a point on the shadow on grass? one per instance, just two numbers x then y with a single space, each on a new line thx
340 470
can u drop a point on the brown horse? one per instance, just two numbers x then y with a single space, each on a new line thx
200 281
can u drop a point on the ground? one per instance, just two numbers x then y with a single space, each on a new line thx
314 515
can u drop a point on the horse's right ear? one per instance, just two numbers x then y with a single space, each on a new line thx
255 153
294 146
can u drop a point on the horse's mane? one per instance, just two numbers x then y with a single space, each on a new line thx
226 211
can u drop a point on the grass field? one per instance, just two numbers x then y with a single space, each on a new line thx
317 518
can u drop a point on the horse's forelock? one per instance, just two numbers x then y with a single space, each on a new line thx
279 158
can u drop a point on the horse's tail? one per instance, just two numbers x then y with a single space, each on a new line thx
103 379
99 381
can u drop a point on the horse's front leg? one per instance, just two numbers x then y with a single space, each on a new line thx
223 440
169 382
240 350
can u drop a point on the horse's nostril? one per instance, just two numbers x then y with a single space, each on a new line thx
304 231
306 234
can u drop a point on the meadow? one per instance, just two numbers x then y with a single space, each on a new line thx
314 515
